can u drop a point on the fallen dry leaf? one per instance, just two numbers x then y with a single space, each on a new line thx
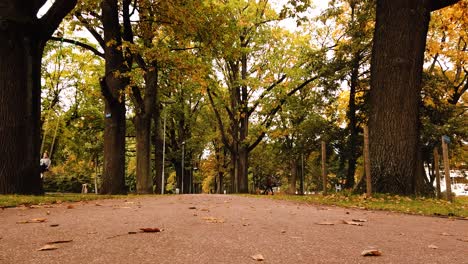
359 220
205 209
47 247
433 246
97 204
132 232
325 223
60 241
245 224
70 206
463 239
192 207
150 230
352 223
258 257
54 225
283 231
33 221
211 219
371 252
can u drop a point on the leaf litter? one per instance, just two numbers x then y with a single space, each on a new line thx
258 257
33 221
371 253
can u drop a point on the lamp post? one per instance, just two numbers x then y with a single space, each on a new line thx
163 154
183 154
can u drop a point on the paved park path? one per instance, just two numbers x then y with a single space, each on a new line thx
223 229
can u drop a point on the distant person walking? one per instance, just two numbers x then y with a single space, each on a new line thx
44 163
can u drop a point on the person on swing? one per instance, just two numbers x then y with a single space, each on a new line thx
44 163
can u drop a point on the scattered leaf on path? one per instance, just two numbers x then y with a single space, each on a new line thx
325 223
47 247
205 209
60 241
54 225
258 257
245 224
33 221
433 246
463 239
211 219
150 229
283 231
359 220
132 232
97 204
70 206
192 207
371 252
352 223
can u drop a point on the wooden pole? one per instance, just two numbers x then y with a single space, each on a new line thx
448 186
367 163
324 167
437 172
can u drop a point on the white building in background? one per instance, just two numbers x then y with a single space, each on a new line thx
458 179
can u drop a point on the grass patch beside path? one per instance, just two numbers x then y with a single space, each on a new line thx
420 206
52 198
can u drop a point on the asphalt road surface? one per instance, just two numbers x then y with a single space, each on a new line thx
223 229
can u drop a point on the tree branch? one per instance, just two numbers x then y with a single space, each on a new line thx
252 109
80 44
220 122
91 30
439 4
269 119
52 19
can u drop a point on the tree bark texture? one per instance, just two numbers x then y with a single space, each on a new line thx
397 60
23 37
352 124
144 182
143 116
292 177
113 180
158 147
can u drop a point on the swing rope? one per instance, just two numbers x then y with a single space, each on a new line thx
46 123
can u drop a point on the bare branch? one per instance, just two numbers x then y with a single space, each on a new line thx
80 44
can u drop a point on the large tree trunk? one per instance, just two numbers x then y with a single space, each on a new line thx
20 64
144 182
395 93
243 170
158 148
23 37
113 181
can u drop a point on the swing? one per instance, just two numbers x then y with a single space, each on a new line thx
46 126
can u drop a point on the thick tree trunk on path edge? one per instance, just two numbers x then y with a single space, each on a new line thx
395 93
